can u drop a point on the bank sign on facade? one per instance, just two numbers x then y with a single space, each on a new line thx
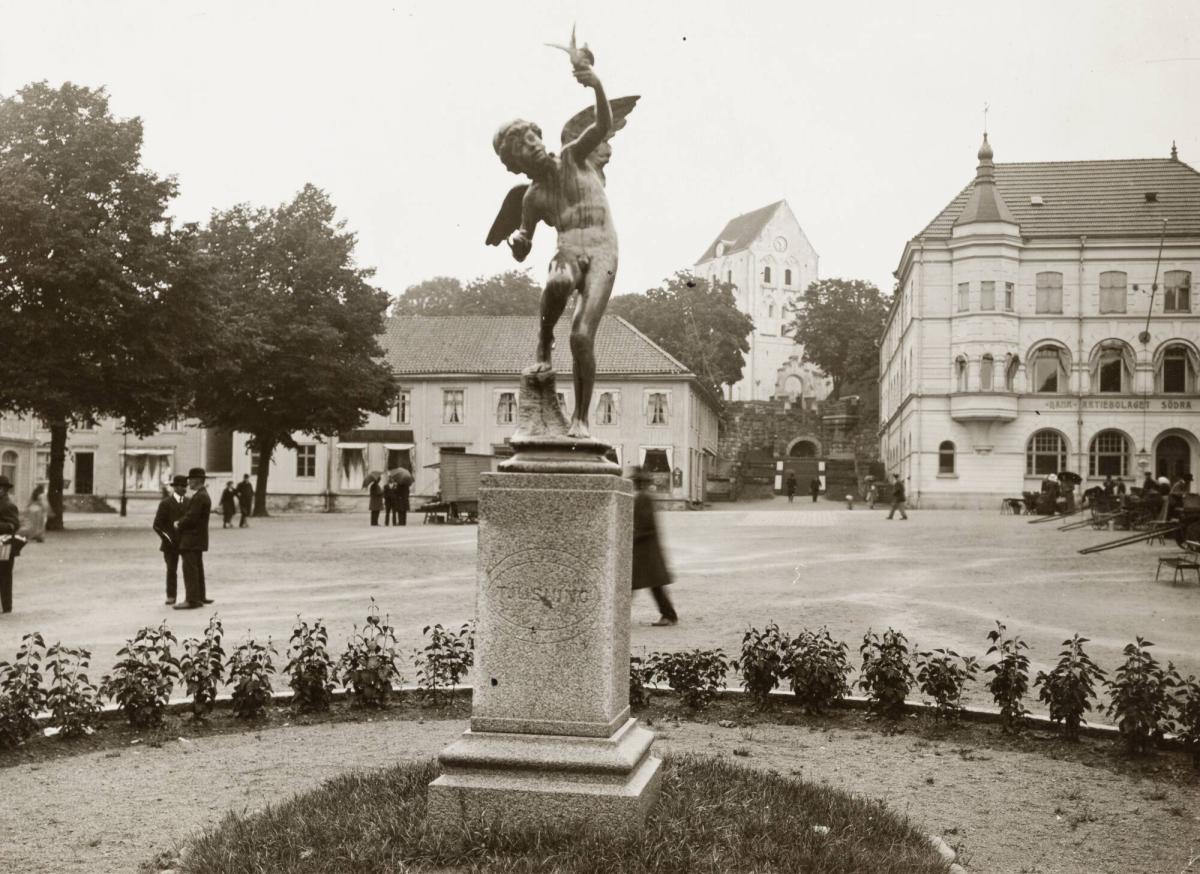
1116 404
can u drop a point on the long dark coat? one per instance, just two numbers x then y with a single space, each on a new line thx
402 497
245 493
649 566
170 510
376 501
193 525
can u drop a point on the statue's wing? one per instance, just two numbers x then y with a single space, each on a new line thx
508 219
580 121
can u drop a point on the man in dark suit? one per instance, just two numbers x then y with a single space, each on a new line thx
375 501
193 540
245 493
170 510
10 521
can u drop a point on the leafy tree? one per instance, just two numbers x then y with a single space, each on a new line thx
695 320
96 283
298 350
839 322
513 293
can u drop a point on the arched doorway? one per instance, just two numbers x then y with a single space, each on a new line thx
1172 457
803 449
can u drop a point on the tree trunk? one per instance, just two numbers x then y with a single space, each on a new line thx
54 473
266 449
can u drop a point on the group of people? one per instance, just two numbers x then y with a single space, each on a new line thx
391 499
234 499
792 486
181 523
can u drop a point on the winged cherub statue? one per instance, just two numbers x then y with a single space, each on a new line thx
567 193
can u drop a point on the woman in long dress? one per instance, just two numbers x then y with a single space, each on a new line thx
36 514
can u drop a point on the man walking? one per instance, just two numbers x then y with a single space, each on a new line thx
245 494
898 498
10 521
649 567
170 510
193 541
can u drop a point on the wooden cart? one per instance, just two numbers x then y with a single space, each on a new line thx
458 487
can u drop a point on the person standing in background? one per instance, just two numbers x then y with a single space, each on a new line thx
791 486
36 515
10 521
229 504
193 541
814 486
170 510
375 501
245 494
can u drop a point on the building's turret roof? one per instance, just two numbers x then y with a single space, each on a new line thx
1092 198
740 232
985 203
504 345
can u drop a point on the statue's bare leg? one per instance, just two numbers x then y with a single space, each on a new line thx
563 279
593 299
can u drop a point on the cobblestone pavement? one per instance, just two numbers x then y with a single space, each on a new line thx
943 578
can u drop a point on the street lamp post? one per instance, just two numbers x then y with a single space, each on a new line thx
124 462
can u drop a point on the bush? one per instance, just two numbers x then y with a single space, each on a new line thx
942 674
21 692
1141 697
1068 690
310 670
250 671
761 662
203 667
696 675
819 669
886 675
640 676
143 677
1187 720
444 661
72 700
368 666
1010 677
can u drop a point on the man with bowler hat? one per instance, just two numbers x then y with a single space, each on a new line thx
170 510
193 540
10 521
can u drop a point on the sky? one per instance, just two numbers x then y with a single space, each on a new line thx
865 117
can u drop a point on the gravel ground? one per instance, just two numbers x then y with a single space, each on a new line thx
1008 811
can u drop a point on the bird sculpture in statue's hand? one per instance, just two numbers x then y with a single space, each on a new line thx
580 56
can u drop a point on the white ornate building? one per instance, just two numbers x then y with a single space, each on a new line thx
1044 321
765 255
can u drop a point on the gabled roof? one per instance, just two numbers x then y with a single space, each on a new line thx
504 345
740 232
1093 198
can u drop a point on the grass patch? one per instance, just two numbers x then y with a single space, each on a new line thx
713 816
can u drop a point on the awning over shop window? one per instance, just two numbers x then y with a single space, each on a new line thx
376 435
145 452
399 447
352 446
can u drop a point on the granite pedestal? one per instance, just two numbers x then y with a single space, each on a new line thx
551 740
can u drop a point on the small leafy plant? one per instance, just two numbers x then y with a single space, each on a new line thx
1141 693
886 674
696 675
1010 677
202 667
640 676
942 675
368 666
21 692
1187 715
310 669
444 661
73 702
1069 690
250 669
143 677
761 662
819 669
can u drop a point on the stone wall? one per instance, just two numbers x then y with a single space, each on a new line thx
764 429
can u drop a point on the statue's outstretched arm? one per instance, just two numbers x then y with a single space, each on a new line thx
598 130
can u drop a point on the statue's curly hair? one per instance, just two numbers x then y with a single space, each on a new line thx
503 140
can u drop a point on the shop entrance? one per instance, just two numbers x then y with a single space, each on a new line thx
1172 458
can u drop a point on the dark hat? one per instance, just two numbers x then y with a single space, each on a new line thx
179 480
197 473
5 481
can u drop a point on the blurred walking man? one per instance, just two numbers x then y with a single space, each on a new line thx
898 498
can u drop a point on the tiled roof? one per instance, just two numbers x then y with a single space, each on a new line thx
741 231
1093 198
504 345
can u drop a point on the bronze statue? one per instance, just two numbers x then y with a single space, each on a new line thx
567 193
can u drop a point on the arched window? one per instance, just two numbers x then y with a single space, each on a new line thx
946 458
1045 453
1011 363
960 373
1109 454
986 366
8 466
1049 292
1177 291
1112 367
1112 291
787 277
1049 370
1175 369
767 274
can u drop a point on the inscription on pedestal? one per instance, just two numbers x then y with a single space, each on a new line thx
542 595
